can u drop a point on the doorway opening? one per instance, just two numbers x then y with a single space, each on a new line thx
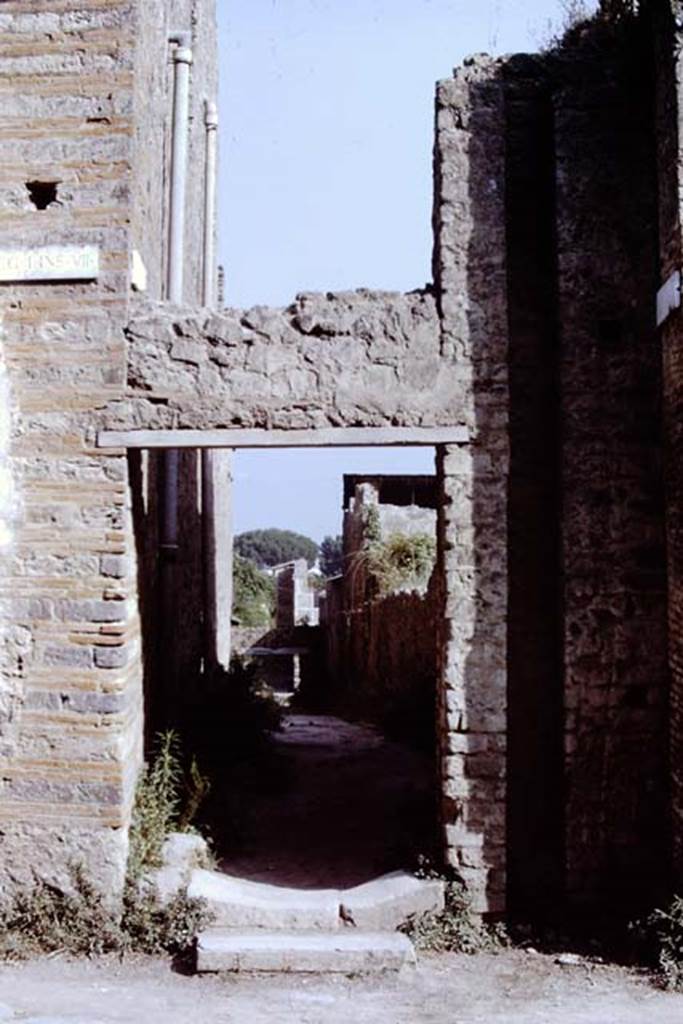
315 748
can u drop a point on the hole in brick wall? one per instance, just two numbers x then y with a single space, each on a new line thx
610 331
42 193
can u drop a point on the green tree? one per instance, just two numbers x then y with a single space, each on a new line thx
331 556
272 547
253 601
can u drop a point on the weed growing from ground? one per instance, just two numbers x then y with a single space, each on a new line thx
148 926
455 929
46 919
661 936
156 807
167 800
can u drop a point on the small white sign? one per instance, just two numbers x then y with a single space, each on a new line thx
668 297
50 263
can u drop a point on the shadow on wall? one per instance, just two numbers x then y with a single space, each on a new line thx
171 627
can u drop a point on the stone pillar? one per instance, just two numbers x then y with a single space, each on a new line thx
470 276
217 540
472 676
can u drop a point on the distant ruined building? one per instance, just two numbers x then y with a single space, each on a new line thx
544 363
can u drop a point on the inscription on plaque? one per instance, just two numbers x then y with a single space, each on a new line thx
50 263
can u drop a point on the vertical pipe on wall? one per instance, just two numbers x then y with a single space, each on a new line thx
216 465
182 62
211 125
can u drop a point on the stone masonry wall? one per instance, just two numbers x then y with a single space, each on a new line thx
71 696
614 595
82 85
381 648
668 40
470 277
535 725
354 358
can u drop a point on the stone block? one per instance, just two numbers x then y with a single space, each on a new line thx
112 657
115 566
346 952
69 655
239 903
185 850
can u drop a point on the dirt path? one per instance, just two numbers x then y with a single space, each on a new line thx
511 988
345 806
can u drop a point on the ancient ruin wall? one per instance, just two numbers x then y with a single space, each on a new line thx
71 700
614 595
341 359
470 278
535 814
71 697
381 647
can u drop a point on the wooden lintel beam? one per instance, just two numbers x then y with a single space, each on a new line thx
324 437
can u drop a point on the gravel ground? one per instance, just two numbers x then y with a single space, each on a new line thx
514 987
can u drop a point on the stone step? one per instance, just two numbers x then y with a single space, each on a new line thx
380 905
341 952
386 902
242 904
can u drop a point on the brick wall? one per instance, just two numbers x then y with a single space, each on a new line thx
85 102
71 702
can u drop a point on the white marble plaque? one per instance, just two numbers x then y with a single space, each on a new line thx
50 263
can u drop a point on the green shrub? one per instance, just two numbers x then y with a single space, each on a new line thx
156 808
148 926
254 598
402 561
455 929
44 919
230 716
332 556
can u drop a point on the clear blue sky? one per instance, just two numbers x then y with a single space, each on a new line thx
325 179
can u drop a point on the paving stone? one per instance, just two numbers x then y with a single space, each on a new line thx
346 952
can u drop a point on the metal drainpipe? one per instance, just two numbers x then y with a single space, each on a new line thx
211 124
216 465
182 61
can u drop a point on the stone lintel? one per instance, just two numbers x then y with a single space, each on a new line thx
323 437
